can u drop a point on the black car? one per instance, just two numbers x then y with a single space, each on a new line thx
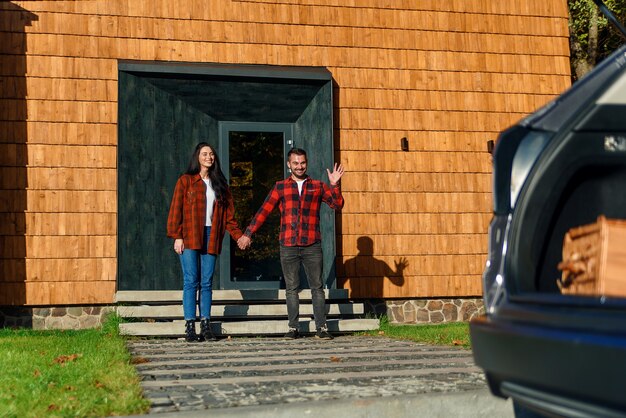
556 354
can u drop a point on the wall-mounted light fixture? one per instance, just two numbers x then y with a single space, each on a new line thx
404 144
490 146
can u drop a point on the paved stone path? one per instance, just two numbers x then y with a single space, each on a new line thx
180 376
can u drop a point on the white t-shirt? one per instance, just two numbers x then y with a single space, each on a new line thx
300 183
210 200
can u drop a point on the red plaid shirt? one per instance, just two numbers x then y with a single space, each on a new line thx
299 214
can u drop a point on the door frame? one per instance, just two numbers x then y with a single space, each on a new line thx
223 279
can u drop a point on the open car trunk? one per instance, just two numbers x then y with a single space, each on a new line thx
560 168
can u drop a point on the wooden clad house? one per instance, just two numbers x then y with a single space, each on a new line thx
102 102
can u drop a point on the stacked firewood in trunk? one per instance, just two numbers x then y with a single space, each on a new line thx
594 259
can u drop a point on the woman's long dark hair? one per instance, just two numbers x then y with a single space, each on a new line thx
218 181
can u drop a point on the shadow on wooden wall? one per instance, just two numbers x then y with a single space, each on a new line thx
367 274
13 153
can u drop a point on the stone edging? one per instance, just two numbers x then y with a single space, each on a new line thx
428 311
56 317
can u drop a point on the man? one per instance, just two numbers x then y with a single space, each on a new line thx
299 199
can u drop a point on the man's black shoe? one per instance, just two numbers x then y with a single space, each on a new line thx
323 333
292 334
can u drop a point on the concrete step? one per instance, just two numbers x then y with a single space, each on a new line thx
258 327
238 311
162 296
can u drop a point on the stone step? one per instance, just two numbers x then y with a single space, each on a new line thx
232 377
379 363
240 311
258 327
163 296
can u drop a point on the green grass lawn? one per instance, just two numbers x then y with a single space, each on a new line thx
450 333
67 374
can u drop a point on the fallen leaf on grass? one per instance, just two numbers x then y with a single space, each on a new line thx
335 359
63 359
139 360
381 332
457 342
53 407
36 373
99 385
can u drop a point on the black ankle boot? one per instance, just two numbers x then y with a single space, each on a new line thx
206 331
190 331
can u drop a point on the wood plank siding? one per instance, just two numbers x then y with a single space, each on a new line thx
447 75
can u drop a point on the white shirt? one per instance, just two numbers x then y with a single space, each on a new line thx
210 200
300 183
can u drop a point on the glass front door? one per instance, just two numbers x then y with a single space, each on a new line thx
253 156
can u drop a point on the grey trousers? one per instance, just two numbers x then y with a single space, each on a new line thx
310 258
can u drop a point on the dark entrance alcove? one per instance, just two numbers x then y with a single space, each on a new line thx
165 109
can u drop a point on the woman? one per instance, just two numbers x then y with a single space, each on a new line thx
200 213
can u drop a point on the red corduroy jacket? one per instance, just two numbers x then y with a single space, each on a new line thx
187 216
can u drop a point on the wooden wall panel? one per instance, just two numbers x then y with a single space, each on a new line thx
446 75
353 57
409 223
97 68
251 32
61 269
94 157
367 181
447 79
476 19
389 287
12 154
440 100
65 89
51 224
104 134
431 265
417 202
59 201
532 8
424 162
91 246
71 111
72 201
389 140
90 224
58 178
55 246
402 245
67 293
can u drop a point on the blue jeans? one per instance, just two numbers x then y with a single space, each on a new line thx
198 268
311 259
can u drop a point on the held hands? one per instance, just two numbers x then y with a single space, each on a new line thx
179 246
244 242
335 175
